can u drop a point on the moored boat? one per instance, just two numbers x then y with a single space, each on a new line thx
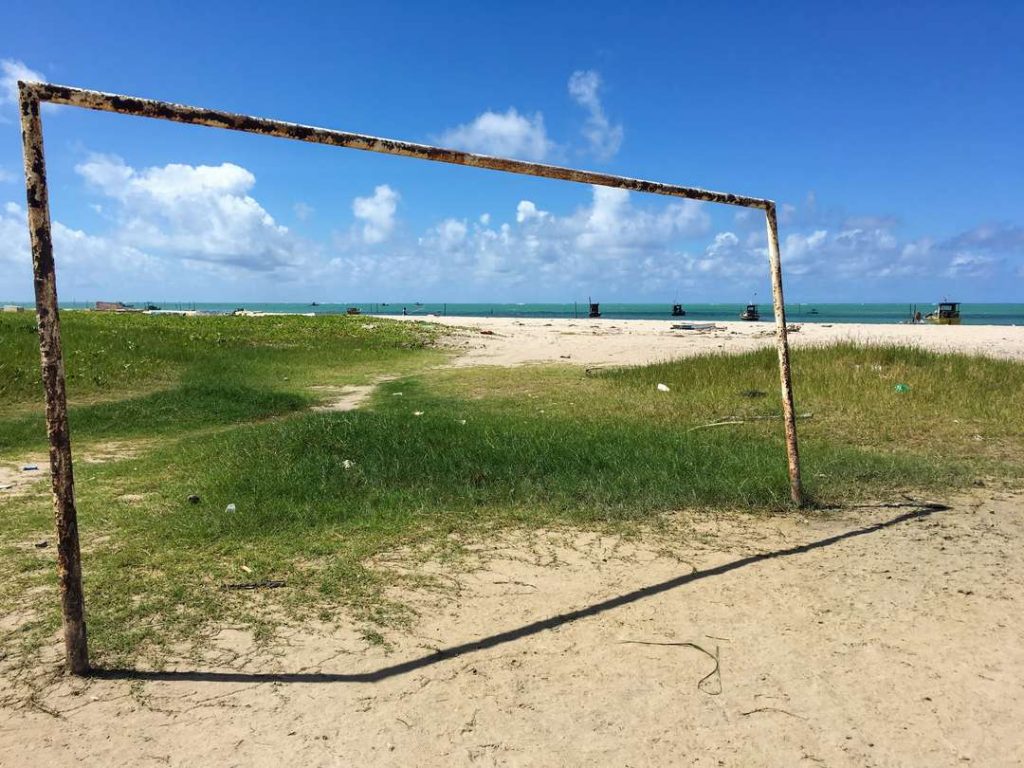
948 313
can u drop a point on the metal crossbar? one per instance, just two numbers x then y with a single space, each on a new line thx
31 95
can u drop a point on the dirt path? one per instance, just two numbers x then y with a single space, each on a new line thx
884 636
348 397
17 477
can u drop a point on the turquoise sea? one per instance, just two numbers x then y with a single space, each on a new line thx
971 314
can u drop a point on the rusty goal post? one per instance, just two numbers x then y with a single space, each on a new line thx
32 95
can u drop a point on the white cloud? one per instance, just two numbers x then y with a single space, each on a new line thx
485 219
833 250
726 258
76 254
508 134
971 265
603 241
614 226
13 238
526 210
11 71
377 213
6 176
451 234
303 211
198 213
603 137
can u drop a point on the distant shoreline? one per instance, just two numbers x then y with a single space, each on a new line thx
512 341
980 314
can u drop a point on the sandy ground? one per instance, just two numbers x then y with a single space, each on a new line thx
507 341
17 477
873 637
877 636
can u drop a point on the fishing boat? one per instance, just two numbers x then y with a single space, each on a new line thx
948 313
678 311
750 313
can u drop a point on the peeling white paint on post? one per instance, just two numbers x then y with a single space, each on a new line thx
69 564
31 95
782 343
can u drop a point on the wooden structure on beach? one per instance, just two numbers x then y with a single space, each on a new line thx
948 313
31 98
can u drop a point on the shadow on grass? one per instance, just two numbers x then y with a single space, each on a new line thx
920 511
189 406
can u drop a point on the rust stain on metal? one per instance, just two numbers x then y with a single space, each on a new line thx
782 343
69 564
32 94
180 113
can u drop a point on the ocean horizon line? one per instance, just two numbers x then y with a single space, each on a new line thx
981 313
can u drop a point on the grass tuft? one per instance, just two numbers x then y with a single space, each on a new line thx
318 495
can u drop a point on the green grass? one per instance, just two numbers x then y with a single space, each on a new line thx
318 495
142 376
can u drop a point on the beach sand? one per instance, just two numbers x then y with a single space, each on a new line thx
883 635
872 636
510 341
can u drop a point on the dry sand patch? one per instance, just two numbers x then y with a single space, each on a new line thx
347 397
874 636
510 341
16 477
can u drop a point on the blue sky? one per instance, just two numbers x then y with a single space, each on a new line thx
890 137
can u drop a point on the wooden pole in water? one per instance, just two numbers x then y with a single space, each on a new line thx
782 343
69 564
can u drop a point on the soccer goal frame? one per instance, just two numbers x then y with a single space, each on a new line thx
33 95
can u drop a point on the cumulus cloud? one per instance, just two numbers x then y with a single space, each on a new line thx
982 251
971 265
991 238
77 255
13 237
608 239
507 134
451 234
602 136
377 213
11 71
527 210
831 249
199 213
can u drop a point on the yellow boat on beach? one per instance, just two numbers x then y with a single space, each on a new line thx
948 313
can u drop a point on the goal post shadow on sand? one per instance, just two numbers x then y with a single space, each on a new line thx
31 97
